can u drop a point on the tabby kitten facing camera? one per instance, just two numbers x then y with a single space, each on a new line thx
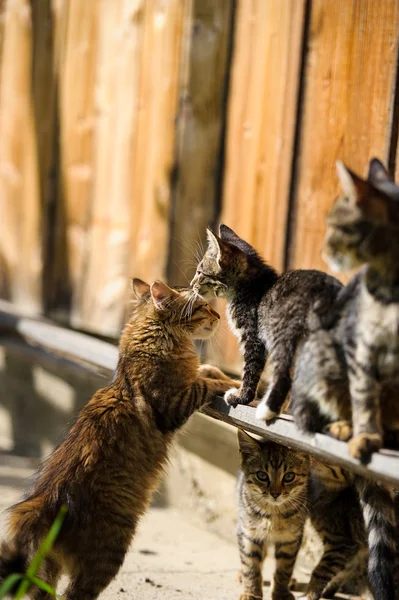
111 459
277 489
272 490
347 373
268 312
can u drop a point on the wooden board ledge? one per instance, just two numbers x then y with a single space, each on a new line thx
84 349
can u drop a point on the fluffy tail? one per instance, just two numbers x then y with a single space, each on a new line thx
378 506
24 527
12 559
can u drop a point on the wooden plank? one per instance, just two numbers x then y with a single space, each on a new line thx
383 466
348 105
199 132
20 223
136 82
261 122
260 135
77 37
86 350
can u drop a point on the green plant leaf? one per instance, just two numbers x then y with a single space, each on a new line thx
43 585
22 589
47 543
8 583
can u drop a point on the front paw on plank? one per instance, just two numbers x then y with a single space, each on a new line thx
233 397
264 412
363 445
340 430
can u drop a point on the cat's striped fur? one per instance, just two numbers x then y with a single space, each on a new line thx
111 459
268 313
323 492
347 372
270 510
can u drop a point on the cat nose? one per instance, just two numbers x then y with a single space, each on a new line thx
275 494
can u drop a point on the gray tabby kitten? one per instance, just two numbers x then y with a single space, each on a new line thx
268 312
348 370
272 491
277 489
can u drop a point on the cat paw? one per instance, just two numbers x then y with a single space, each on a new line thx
363 445
250 597
233 397
263 412
211 372
340 430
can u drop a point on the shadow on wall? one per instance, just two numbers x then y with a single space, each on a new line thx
37 405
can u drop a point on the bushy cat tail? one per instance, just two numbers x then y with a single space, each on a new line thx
25 532
378 506
13 559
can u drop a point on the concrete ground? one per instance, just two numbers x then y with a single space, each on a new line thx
170 559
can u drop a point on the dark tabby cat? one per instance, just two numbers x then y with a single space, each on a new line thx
272 492
277 489
267 312
348 370
112 457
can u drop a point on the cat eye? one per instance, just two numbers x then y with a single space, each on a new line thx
262 476
289 477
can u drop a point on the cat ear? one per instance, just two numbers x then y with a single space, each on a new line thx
214 244
354 188
140 289
162 295
228 235
248 445
378 173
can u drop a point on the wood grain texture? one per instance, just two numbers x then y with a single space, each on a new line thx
262 109
350 80
20 223
136 95
261 122
72 346
199 132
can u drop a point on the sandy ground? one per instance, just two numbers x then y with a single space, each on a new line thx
170 559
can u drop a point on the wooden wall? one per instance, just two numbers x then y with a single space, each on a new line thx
128 126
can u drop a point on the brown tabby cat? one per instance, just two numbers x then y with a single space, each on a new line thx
272 505
347 370
112 457
277 489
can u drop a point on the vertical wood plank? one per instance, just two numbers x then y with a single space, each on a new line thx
348 105
136 81
20 210
199 129
77 32
260 135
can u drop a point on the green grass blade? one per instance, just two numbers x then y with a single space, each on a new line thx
8 583
43 586
22 589
47 543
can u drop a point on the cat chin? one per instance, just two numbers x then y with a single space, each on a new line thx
341 264
204 334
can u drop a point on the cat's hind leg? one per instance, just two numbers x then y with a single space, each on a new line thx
49 572
276 394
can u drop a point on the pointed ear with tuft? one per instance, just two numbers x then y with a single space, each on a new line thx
215 245
140 289
378 173
354 188
247 444
230 236
162 295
